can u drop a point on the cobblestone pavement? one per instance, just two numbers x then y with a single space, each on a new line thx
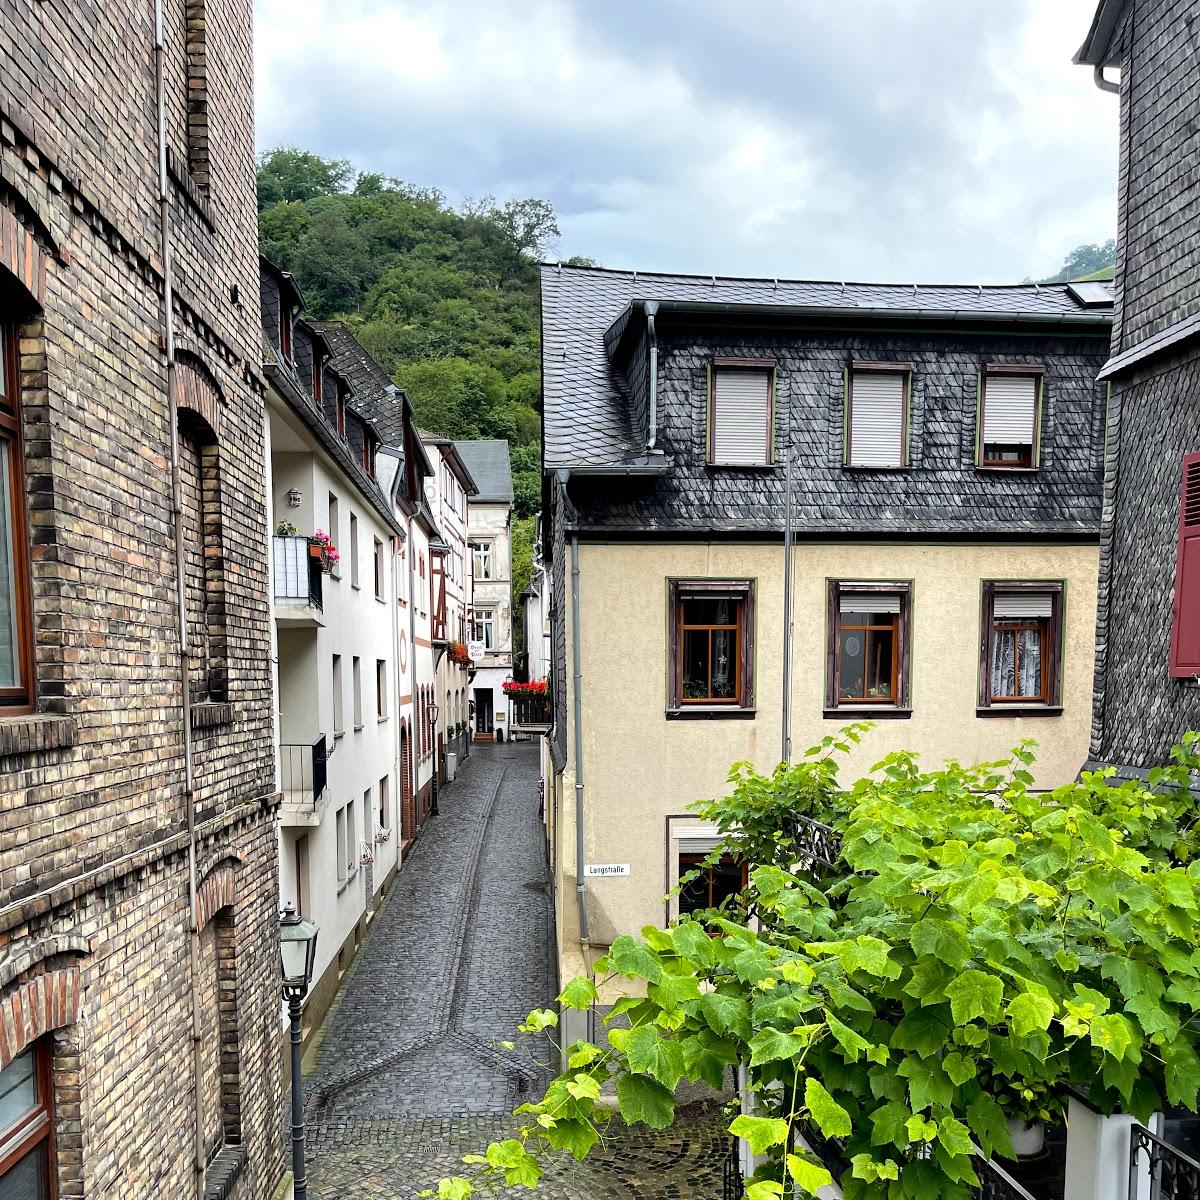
410 1074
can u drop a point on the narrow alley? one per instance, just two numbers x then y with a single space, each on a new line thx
409 1070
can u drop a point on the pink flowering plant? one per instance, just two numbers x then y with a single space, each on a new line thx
329 552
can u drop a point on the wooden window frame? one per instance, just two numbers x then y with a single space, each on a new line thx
381 697
741 705
1185 606
20 700
285 330
863 366
770 367
355 578
991 371
689 861
34 1132
380 573
899 705
1052 655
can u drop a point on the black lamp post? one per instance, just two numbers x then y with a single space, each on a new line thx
297 953
433 716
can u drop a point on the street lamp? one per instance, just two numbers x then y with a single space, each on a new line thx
297 954
433 716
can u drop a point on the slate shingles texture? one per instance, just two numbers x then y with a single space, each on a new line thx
594 376
488 462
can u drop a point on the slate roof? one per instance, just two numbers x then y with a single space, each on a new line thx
488 462
376 397
587 421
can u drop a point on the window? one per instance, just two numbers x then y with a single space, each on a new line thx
711 884
285 330
384 802
339 726
1022 644
356 683
16 624
482 554
341 418
342 873
483 627
27 1125
335 530
868 651
1185 617
741 413
379 592
381 706
351 841
711 656
353 551
1009 408
877 397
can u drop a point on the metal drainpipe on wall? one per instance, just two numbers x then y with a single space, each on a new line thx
414 758
577 690
164 220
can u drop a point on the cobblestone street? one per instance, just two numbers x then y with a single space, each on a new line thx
409 1072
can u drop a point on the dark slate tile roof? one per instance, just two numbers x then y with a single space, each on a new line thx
587 420
488 462
376 397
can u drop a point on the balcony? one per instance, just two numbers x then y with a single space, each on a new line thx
299 580
302 780
530 714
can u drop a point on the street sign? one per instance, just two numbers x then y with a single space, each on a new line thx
605 870
475 651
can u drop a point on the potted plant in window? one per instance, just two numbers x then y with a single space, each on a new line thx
321 546
286 529
1028 1104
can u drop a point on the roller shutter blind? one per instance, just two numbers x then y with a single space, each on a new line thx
869 602
741 433
1009 409
876 429
1185 617
1022 604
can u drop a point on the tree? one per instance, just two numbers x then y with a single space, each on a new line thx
1085 260
523 532
287 173
970 940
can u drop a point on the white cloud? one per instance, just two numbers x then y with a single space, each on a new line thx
862 140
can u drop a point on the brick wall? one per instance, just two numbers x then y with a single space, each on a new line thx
93 817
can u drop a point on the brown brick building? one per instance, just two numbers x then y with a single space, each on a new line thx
139 999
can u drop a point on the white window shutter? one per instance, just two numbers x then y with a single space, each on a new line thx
741 434
1022 604
877 419
868 602
1009 409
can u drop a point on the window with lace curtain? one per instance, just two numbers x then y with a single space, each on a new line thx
1020 667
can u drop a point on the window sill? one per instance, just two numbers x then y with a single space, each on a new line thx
210 714
181 175
711 712
1014 470
381 599
358 728
381 720
338 733
1019 710
875 712
336 576
868 467
35 732
717 466
223 1172
357 587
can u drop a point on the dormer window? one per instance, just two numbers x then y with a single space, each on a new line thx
877 398
1010 401
741 412
341 417
285 332
318 371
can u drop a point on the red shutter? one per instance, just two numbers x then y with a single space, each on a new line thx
1185 621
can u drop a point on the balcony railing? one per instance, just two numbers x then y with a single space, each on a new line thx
531 712
732 1187
298 575
995 1183
1173 1175
303 772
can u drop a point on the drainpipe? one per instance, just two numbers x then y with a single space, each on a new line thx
786 750
577 670
164 223
651 308
1105 85
414 759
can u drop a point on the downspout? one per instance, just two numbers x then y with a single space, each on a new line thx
413 757
189 781
577 690
1105 85
786 714
651 308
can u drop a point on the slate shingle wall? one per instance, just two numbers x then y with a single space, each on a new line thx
93 814
942 492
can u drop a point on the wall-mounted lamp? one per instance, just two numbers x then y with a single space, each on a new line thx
294 496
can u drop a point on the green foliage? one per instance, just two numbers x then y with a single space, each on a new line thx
1089 260
980 948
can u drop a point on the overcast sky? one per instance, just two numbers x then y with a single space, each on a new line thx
927 140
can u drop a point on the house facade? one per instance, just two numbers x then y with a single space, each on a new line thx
139 962
945 448
1148 628
489 534
335 561
447 705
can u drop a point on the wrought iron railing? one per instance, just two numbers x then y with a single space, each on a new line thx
819 846
1173 1175
732 1187
303 772
298 575
995 1183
